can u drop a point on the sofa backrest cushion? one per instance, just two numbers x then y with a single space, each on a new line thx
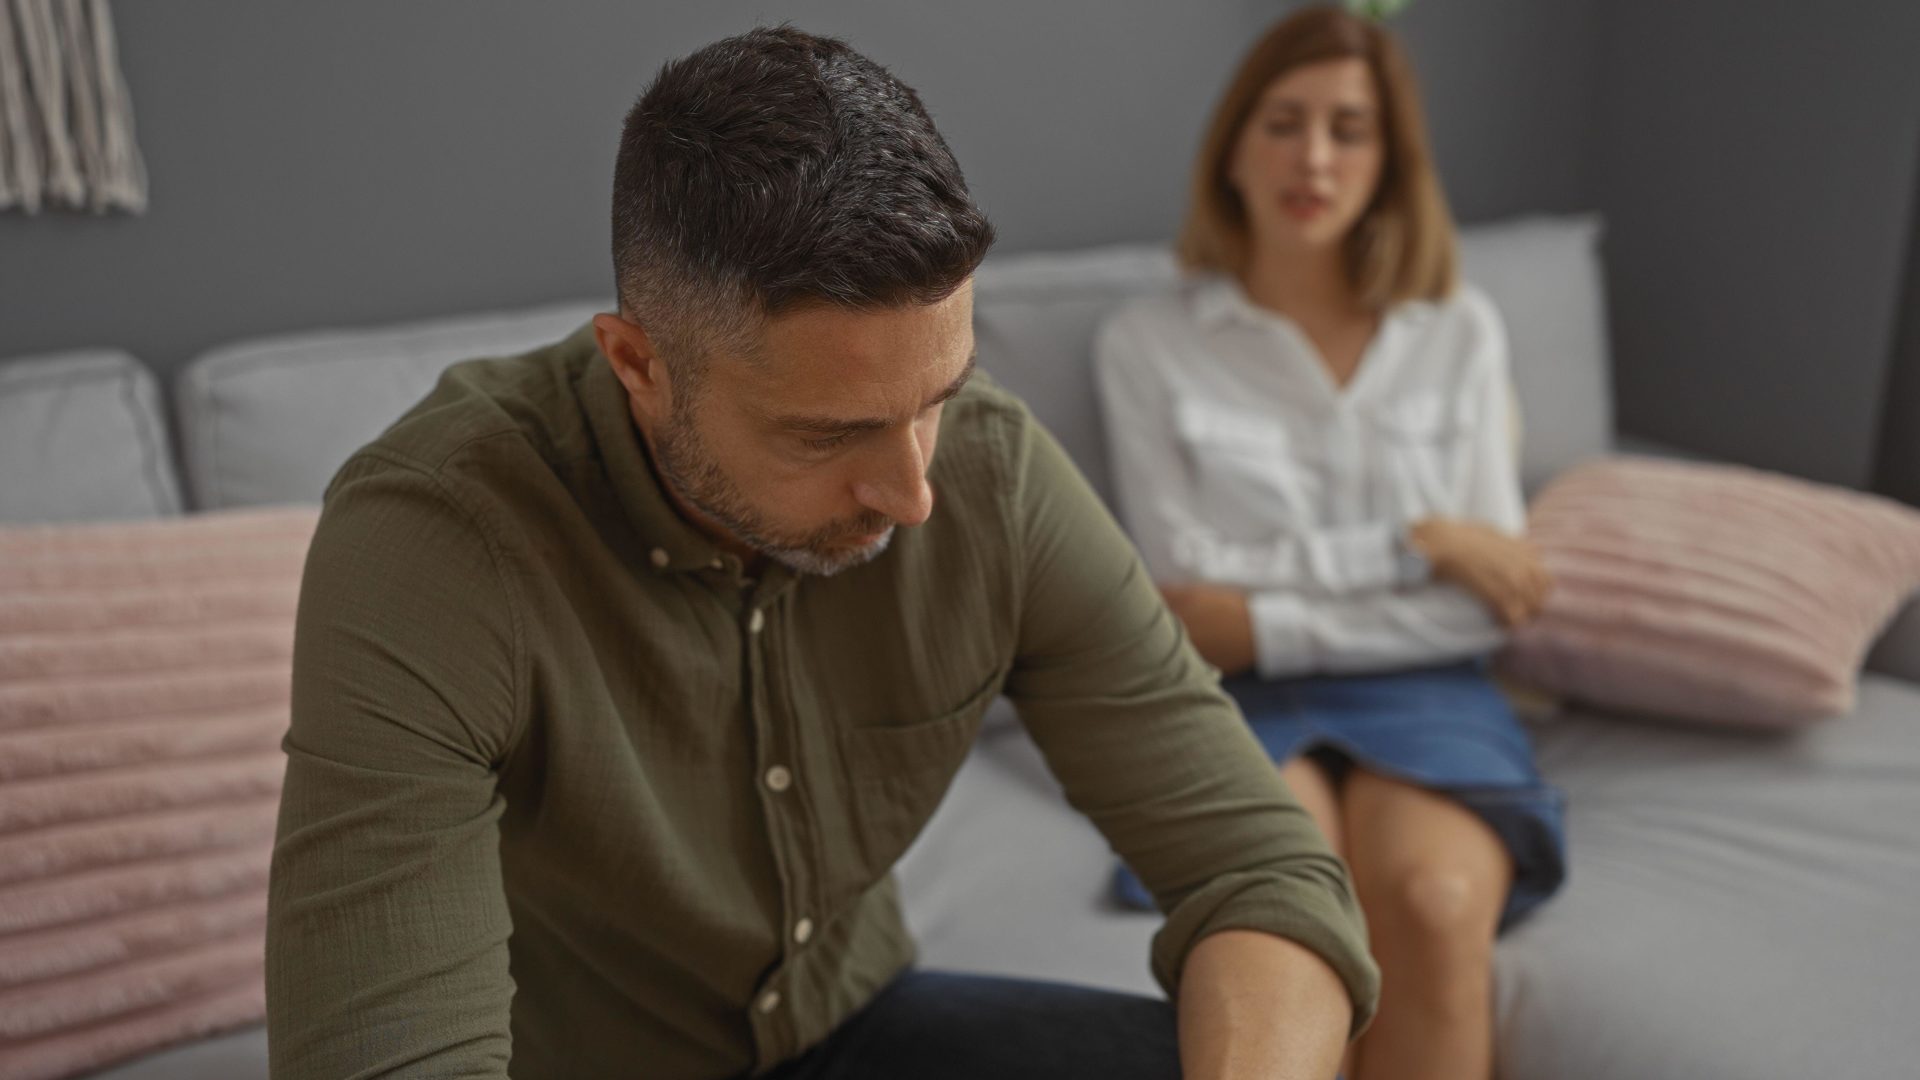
271 420
83 437
1034 318
1545 276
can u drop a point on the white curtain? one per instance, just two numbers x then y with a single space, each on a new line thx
66 125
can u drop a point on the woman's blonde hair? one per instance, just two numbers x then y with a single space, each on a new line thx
1402 247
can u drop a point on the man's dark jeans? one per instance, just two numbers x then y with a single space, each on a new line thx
930 1025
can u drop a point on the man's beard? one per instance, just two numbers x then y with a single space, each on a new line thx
686 467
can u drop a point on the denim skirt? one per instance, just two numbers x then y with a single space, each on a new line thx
1447 729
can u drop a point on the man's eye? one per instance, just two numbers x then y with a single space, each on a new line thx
828 443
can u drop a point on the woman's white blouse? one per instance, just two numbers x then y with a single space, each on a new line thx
1240 462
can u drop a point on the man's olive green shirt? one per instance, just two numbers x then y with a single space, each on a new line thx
570 794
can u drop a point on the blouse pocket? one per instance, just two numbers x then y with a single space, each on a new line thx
1421 436
898 773
1245 467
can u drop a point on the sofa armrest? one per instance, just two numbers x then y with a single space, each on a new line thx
1898 651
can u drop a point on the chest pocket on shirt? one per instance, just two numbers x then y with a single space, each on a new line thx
1421 439
898 774
1243 462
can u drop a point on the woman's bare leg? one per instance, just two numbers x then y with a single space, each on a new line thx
1433 879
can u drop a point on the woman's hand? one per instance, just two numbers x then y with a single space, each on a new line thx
1219 622
1503 571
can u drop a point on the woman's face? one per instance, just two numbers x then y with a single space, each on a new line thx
1309 156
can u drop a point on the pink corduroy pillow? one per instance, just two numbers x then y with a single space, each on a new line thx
145 674
1712 593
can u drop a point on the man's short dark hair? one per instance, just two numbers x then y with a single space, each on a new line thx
776 169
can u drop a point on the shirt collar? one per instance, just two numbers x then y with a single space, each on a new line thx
1219 299
669 542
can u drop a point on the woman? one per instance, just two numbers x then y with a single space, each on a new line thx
1314 447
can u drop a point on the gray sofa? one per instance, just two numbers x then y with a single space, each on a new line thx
1739 905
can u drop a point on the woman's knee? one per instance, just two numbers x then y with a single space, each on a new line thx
1424 866
1433 937
1447 912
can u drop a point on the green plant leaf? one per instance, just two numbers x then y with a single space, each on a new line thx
1377 10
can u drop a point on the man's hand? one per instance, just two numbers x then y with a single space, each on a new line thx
1503 571
1253 1005
1218 621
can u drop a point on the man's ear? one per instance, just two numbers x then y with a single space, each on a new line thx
635 363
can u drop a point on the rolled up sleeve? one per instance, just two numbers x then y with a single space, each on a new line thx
1136 728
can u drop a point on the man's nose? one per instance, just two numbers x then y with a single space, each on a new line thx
897 485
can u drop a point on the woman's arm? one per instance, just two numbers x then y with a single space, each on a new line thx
1480 544
1484 573
1280 633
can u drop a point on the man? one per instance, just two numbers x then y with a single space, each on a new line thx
625 670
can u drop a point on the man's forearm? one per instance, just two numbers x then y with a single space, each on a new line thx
1254 1005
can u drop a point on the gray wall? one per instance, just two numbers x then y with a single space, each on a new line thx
1756 167
342 163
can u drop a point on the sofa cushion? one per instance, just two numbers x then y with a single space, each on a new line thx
1708 592
1545 275
144 689
1897 653
271 420
82 438
1034 318
1740 905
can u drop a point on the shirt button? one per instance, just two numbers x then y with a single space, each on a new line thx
768 1002
758 622
803 930
659 557
779 779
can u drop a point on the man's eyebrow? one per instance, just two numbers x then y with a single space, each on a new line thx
828 425
957 385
